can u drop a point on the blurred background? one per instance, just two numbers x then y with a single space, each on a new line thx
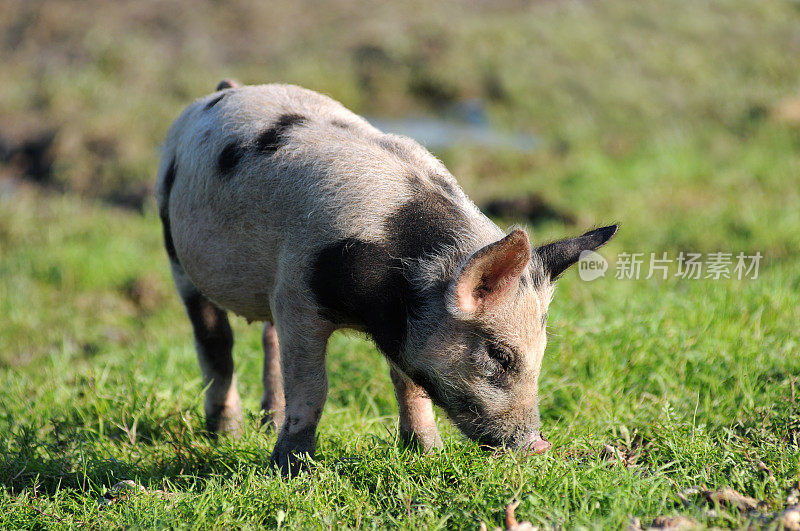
660 102
678 119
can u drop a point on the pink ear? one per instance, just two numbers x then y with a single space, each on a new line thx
490 272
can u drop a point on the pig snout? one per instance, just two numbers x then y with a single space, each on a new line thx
535 444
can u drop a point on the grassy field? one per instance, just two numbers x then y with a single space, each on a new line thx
672 118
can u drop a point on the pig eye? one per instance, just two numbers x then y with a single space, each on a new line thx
499 353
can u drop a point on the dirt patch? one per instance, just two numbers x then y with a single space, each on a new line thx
674 523
145 292
30 156
531 208
787 111
133 198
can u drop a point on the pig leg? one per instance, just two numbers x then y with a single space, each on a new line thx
213 340
303 340
272 402
417 422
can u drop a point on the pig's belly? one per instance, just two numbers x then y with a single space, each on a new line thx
233 264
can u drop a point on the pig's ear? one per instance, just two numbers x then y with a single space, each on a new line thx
558 256
489 273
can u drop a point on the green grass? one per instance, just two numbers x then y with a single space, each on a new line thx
658 116
694 375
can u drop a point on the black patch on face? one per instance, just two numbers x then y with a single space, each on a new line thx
214 101
492 358
270 140
229 157
340 124
504 363
366 284
169 181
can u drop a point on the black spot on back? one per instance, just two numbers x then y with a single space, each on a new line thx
340 124
229 157
429 221
445 184
394 146
214 101
169 181
415 181
273 138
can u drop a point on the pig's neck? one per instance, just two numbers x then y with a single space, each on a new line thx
434 269
427 241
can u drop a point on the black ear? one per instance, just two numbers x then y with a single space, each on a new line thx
558 256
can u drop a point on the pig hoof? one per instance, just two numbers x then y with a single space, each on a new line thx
425 440
291 450
289 464
227 421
